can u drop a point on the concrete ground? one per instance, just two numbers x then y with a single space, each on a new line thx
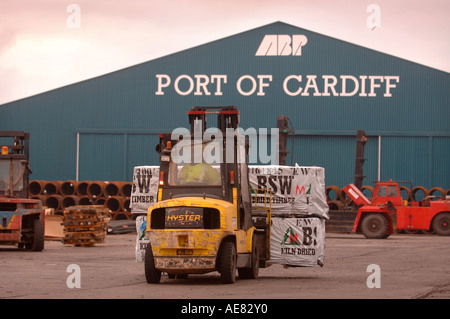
402 266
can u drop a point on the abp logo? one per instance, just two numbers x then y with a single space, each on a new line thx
282 45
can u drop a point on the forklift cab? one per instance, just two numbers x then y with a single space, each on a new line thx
22 218
14 168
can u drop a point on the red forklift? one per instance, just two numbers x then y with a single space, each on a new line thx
21 218
388 213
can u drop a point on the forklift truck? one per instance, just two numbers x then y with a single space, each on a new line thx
388 213
205 223
21 218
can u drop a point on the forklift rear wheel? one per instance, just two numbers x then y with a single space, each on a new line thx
152 275
374 226
228 263
441 224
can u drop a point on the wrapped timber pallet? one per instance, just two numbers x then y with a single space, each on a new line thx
85 225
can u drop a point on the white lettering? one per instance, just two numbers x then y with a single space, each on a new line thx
363 85
328 85
311 83
220 79
268 46
191 84
374 279
298 41
239 83
202 82
212 152
374 85
273 159
284 45
181 152
389 85
374 20
193 309
162 85
262 84
285 82
74 279
280 45
247 85
344 79
74 20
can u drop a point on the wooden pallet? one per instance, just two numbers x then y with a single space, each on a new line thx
85 225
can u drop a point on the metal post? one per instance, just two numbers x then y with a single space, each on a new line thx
379 157
77 167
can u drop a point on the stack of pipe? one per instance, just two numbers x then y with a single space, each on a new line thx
60 195
115 196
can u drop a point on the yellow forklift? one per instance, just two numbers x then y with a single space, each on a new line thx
204 220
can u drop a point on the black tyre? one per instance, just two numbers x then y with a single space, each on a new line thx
152 275
374 226
37 239
227 267
253 271
441 224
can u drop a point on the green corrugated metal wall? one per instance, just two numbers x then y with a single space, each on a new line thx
112 121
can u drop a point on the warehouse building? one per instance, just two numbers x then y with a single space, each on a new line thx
99 129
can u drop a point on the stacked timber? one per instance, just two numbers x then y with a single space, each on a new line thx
85 225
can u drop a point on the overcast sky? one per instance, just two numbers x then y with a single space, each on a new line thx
46 44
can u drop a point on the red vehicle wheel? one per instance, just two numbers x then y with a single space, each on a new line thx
374 226
441 224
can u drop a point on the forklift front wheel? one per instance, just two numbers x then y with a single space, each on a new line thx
374 226
37 240
152 275
228 263
253 271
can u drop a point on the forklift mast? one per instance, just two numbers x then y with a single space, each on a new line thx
361 140
227 117
234 183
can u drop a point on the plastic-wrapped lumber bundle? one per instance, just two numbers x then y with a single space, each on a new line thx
145 188
298 190
298 241
299 209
